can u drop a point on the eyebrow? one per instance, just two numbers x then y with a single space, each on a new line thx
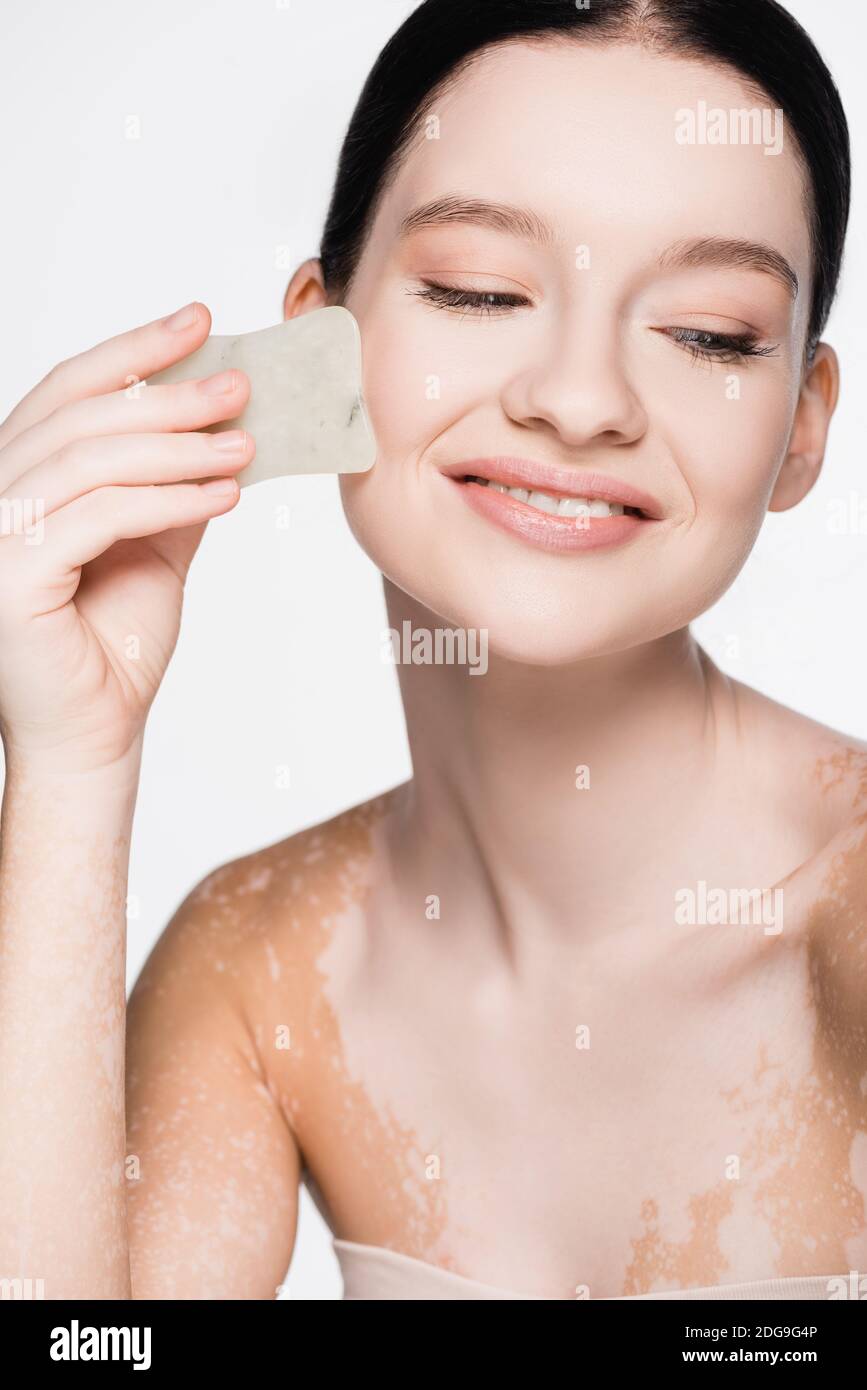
529 226
731 254
501 217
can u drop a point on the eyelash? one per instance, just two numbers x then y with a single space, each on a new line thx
699 343
722 347
473 300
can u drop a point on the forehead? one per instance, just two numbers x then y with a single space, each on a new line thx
587 135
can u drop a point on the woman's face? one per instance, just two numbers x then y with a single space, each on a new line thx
590 364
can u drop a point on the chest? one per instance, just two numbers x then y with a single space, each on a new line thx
624 1129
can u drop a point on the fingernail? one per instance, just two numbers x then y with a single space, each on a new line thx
219 385
219 486
230 441
184 318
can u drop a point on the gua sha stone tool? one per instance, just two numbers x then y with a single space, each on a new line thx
306 411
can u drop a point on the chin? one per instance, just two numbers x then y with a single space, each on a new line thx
534 624
524 644
535 608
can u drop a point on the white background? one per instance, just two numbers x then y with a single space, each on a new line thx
242 106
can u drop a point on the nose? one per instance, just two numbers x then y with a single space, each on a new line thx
579 388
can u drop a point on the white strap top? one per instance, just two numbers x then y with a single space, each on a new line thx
373 1272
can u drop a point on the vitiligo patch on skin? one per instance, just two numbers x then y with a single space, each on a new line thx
659 1262
307 945
312 891
804 1165
846 769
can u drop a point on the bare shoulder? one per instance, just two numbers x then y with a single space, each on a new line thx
286 889
250 934
227 1042
262 923
811 771
823 774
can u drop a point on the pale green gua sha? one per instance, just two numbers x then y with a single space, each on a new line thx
306 410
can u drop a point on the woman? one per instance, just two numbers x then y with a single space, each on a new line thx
511 1022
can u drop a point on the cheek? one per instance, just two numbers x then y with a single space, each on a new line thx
423 370
726 429
398 373
727 441
419 383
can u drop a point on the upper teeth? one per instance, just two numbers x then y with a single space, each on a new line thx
557 506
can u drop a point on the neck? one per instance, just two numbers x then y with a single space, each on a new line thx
544 798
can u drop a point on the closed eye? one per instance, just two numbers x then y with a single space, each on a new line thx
718 347
481 302
700 343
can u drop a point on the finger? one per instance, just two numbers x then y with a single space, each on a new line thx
128 459
111 366
185 405
89 525
178 547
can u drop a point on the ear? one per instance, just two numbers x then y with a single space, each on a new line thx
816 405
306 290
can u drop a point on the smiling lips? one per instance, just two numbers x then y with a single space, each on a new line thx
554 507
